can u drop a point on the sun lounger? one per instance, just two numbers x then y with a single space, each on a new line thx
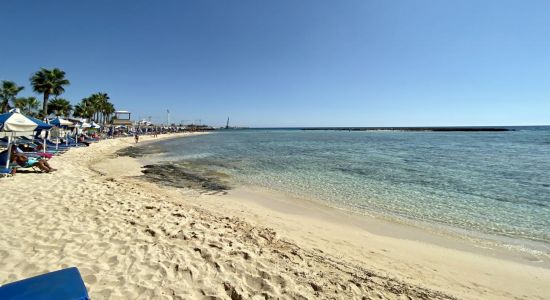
43 155
64 284
5 172
59 147
3 158
38 154
32 163
72 142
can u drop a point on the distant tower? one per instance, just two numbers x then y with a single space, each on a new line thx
168 117
227 124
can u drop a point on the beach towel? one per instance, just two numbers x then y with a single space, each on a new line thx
31 161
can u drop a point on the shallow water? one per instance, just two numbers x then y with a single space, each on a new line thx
494 183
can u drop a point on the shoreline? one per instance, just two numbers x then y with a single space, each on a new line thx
274 205
414 254
508 248
390 226
132 238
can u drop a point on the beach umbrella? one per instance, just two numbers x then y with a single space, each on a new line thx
15 123
56 132
86 125
95 125
60 122
42 126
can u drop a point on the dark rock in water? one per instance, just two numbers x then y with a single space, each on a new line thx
178 176
140 151
181 175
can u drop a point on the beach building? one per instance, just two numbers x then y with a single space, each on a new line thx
122 117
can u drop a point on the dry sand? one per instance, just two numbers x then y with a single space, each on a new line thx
135 240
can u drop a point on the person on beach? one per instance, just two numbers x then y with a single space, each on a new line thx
26 148
136 137
29 162
82 140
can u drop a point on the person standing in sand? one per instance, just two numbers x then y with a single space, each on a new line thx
136 137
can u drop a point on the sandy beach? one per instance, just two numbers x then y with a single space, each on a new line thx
133 239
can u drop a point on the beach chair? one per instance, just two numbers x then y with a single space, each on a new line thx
36 154
50 149
74 143
31 163
3 142
5 172
60 147
66 284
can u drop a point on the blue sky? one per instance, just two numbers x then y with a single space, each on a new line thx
293 62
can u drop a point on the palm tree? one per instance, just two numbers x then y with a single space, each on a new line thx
8 93
94 103
96 107
84 109
98 102
60 107
27 105
102 103
108 111
49 82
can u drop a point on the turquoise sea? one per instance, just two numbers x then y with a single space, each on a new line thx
494 184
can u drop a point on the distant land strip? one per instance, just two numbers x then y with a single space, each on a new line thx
468 129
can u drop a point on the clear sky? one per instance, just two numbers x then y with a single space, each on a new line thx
293 62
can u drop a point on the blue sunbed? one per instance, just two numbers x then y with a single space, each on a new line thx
64 284
5 171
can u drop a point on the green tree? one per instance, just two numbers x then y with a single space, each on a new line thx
84 109
96 107
28 105
49 82
8 93
108 110
101 103
60 107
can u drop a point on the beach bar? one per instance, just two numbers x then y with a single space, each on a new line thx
122 117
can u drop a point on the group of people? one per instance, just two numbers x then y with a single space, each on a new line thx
30 154
27 155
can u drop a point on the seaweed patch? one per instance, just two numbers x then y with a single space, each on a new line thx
178 176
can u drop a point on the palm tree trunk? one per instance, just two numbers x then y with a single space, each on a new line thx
45 104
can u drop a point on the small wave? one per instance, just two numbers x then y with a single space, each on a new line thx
192 156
